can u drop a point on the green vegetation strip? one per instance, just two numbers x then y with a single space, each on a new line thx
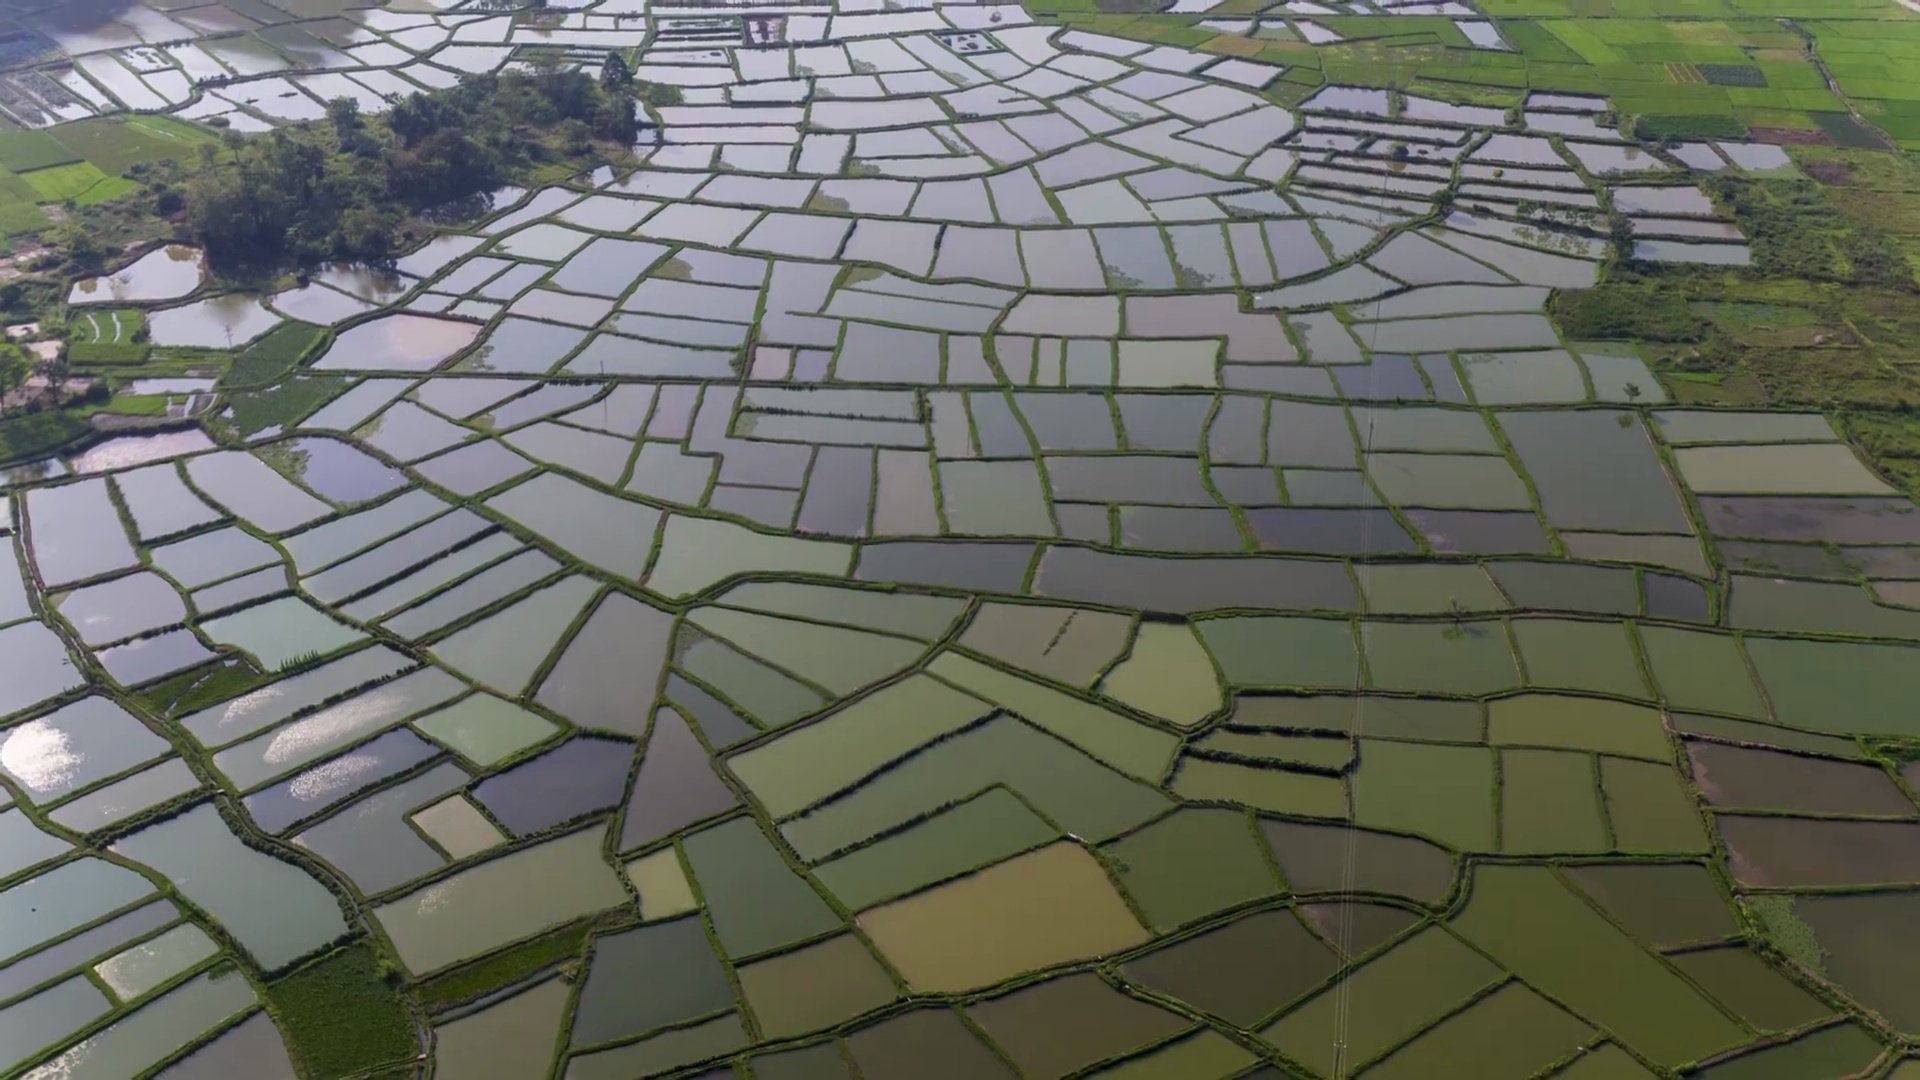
503 968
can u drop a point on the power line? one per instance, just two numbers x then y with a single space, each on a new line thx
1350 856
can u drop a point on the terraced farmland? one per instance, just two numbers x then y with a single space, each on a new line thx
990 546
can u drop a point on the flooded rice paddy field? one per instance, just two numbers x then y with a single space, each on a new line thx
992 552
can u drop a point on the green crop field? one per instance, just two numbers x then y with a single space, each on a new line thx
1692 69
23 151
62 182
114 146
111 327
19 216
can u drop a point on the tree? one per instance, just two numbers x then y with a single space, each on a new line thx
575 136
58 368
416 116
344 114
84 253
569 93
14 369
367 232
350 129
616 77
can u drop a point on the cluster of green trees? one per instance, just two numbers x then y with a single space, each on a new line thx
1796 231
1627 306
345 188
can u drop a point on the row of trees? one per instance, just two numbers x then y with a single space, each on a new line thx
344 188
